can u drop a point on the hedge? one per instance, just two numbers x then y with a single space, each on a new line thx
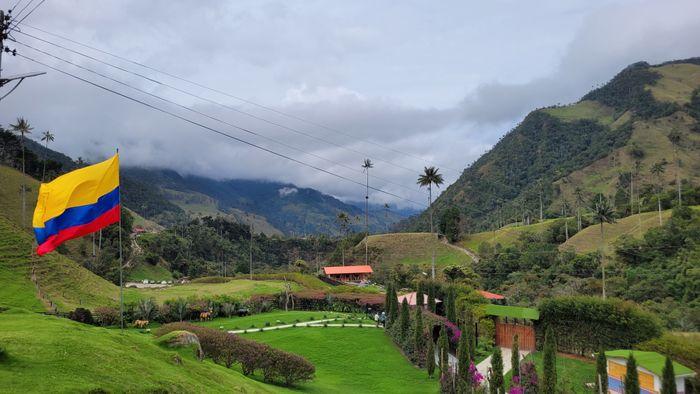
584 324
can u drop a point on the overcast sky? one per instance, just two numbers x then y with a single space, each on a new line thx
405 83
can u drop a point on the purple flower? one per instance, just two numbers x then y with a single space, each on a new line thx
516 390
477 377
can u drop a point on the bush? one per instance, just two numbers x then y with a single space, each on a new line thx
267 324
583 325
211 279
106 315
681 348
81 315
287 367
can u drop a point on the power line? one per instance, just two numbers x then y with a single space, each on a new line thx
216 131
23 8
206 115
247 101
25 17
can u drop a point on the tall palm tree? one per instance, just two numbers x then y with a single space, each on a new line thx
366 165
564 212
603 212
343 223
578 194
431 176
48 137
676 137
22 128
386 216
658 169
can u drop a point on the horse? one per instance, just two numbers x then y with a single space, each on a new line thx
207 315
141 323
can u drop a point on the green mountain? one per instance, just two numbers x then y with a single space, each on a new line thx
593 144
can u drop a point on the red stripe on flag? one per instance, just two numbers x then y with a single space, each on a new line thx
52 242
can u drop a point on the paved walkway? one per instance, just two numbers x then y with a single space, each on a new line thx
315 323
506 353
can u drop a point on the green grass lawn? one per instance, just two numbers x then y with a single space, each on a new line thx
151 272
290 317
583 110
241 288
572 374
351 360
506 236
50 354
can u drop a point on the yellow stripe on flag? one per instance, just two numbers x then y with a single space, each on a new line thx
76 188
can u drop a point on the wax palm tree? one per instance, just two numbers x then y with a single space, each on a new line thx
386 216
564 213
366 165
343 223
578 194
47 137
22 128
431 176
658 169
603 212
676 137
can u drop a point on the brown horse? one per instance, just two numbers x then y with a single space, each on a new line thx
141 323
206 315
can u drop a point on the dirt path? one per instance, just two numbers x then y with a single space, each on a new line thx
466 251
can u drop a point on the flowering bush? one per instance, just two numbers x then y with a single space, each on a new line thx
528 376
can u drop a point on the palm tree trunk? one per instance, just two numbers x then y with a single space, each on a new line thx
367 220
602 255
46 154
430 204
24 187
678 174
658 199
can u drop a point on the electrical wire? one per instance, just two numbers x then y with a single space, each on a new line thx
206 115
26 16
244 100
216 131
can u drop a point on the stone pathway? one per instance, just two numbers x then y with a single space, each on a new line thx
315 323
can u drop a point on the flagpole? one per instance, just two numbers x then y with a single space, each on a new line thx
121 262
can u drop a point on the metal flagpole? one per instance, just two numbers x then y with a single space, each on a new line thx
121 262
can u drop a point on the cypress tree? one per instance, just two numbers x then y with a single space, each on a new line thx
393 307
497 385
463 358
387 298
668 380
469 331
632 376
443 349
418 330
430 358
549 380
431 297
419 294
515 357
601 371
404 319
451 312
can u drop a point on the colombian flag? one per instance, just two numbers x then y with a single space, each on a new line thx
77 203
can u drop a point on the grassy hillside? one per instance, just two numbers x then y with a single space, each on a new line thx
351 360
11 196
506 236
412 248
588 240
49 354
242 288
588 144
16 287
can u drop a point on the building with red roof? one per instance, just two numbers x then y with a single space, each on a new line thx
491 296
348 273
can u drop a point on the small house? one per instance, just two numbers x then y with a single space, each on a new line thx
650 370
348 273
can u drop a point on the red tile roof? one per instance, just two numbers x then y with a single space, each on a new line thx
491 296
348 269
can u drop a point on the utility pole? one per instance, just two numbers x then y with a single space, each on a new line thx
5 22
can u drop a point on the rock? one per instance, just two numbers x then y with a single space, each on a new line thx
184 339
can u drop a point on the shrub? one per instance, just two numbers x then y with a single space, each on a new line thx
211 279
81 315
287 367
106 315
584 324
267 324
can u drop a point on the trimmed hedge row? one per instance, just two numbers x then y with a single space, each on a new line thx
228 349
584 324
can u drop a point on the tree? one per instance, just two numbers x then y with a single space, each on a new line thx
564 213
601 371
46 136
450 307
657 170
181 308
549 378
366 165
431 298
22 128
603 213
430 357
419 294
463 359
344 224
449 223
386 216
443 349
430 177
632 376
394 307
676 137
418 337
404 319
387 298
497 384
668 380
579 198
515 357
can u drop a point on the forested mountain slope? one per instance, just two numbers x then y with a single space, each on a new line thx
614 134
